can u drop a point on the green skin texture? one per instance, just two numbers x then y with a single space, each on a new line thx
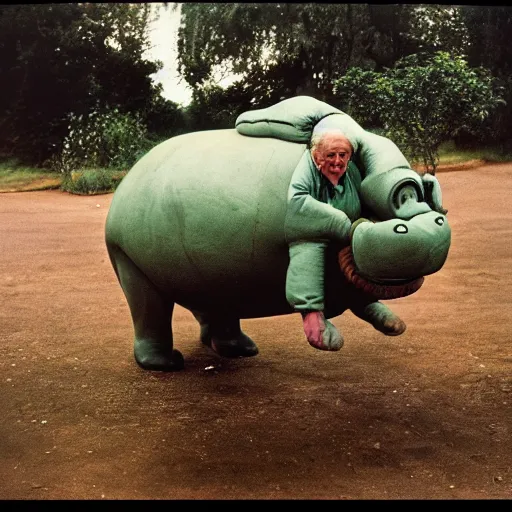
200 221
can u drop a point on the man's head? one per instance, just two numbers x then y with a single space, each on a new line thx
331 152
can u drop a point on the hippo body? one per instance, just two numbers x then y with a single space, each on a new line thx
195 241
200 221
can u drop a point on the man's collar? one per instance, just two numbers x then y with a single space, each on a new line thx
341 182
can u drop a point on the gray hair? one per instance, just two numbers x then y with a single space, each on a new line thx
319 134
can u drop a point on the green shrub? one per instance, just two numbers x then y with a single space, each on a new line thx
106 138
92 181
422 102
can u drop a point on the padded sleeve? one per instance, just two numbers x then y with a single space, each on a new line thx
292 119
305 276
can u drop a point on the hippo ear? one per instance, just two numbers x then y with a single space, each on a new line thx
433 195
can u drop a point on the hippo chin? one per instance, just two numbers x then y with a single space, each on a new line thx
199 221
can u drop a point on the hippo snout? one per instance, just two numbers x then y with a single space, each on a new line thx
399 249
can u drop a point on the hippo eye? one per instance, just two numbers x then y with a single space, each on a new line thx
439 221
400 228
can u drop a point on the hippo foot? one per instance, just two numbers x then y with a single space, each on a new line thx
382 319
332 338
240 346
151 357
391 326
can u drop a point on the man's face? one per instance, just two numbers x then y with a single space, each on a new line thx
332 156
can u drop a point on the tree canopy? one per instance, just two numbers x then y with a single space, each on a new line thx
285 49
59 59
281 50
423 101
490 30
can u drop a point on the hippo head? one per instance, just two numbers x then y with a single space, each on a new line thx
401 250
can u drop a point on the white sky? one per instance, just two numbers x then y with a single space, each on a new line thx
163 37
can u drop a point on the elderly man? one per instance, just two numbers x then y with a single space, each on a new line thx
333 179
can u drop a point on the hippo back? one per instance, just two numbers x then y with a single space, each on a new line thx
202 215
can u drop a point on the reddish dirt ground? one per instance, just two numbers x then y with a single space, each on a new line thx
426 415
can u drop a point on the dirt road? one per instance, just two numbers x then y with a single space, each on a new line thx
426 415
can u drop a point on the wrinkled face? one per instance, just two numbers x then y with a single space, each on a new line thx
332 155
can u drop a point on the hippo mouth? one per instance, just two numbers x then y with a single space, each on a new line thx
380 290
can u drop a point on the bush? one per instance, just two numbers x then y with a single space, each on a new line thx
92 181
164 119
422 102
103 139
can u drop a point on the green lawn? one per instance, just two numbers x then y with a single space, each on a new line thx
15 177
448 155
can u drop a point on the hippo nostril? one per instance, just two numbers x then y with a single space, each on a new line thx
439 221
400 228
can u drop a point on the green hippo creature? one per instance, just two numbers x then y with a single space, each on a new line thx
205 220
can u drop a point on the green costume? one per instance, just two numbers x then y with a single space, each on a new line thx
305 276
386 173
204 220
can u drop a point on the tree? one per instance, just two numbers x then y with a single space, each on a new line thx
59 59
280 50
164 118
307 44
489 30
401 30
213 107
423 101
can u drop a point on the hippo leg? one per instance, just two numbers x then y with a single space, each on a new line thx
224 335
151 314
381 317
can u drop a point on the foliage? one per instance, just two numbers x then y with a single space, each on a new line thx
286 49
62 58
437 27
106 138
164 118
489 32
489 29
309 43
91 182
213 107
421 102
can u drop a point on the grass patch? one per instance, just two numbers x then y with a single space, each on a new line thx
92 181
449 154
16 177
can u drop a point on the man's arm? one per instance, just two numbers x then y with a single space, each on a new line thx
310 223
305 292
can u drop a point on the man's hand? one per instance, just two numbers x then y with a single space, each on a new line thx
320 333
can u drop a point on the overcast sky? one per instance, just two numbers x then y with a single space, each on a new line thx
163 36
